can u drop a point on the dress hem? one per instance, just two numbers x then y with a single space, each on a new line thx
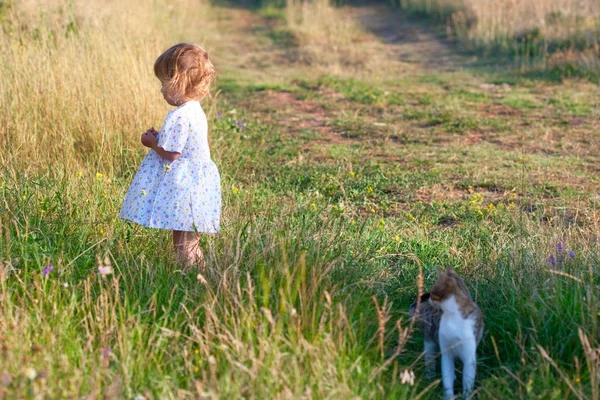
208 231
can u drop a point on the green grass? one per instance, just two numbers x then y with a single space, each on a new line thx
327 229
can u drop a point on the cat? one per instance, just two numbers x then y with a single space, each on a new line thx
453 324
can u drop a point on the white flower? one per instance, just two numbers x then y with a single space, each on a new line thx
407 376
105 270
30 373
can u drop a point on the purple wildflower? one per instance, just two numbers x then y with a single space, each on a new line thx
106 352
219 114
241 124
48 269
552 260
572 254
6 379
559 247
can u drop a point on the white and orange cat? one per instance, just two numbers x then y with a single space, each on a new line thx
452 324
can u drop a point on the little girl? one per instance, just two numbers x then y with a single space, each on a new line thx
178 186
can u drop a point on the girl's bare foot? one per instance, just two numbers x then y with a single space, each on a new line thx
187 248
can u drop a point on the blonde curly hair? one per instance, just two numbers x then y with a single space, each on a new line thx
185 72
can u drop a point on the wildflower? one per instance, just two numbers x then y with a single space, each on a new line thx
101 231
42 211
106 352
559 247
30 373
196 351
381 222
105 270
577 380
490 207
196 369
219 114
6 379
66 284
397 238
241 124
314 206
48 269
235 190
79 175
144 192
571 254
407 377
373 210
99 175
552 260
351 174
369 189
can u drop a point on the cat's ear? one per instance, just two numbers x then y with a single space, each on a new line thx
450 271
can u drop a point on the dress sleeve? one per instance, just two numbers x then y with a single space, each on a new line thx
174 134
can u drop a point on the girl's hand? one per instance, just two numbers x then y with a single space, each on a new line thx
149 139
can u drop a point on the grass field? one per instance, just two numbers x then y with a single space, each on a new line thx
359 152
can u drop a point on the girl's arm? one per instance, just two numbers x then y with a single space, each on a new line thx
149 140
167 155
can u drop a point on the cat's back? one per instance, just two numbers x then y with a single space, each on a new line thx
428 317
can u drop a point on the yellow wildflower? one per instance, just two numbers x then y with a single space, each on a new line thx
369 189
236 190
79 175
397 238
99 175
490 207
314 206
352 174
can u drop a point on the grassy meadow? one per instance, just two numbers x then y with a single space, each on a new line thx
558 36
359 152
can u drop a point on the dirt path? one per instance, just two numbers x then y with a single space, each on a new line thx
407 40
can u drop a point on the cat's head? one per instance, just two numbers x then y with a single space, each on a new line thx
448 284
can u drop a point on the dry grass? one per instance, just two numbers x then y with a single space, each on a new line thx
333 42
326 35
77 79
529 28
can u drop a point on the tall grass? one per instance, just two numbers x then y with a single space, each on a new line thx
551 32
302 298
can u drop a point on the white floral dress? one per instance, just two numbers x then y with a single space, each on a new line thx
183 195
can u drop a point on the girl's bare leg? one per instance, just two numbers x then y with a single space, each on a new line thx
187 247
